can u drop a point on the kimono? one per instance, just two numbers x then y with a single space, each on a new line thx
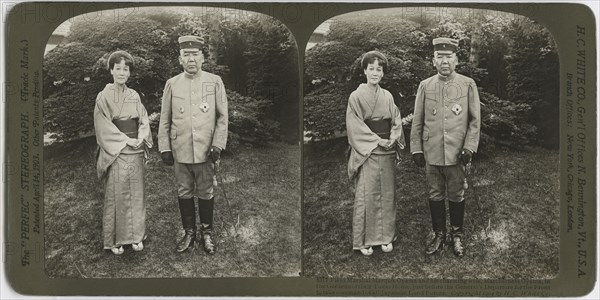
371 168
121 167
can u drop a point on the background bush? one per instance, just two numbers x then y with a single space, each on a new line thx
504 123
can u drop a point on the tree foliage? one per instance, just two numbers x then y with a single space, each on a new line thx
271 61
504 122
325 110
249 118
533 76
262 60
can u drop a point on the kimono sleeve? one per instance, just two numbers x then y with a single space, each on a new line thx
108 136
360 136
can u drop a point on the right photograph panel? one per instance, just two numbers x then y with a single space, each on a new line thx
431 146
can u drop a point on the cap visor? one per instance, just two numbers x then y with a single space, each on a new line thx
191 49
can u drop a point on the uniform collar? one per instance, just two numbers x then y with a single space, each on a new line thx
447 78
192 76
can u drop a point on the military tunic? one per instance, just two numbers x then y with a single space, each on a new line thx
446 119
193 117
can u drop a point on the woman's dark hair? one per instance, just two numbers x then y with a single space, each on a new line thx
371 56
117 56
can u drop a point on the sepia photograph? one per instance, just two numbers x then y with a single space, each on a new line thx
431 146
170 145
299 149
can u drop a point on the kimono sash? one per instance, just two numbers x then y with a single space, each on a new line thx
380 127
129 127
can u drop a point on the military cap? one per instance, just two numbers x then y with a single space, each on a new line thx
190 41
445 44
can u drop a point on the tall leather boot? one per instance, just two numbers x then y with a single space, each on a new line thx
187 208
457 214
205 210
438 221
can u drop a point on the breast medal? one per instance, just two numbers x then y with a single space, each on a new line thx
456 109
181 109
204 106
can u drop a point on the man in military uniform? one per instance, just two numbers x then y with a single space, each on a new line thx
191 135
443 139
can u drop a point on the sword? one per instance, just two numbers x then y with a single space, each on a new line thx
468 171
218 177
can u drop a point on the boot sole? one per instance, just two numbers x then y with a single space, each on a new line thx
461 254
457 254
209 252
440 248
191 246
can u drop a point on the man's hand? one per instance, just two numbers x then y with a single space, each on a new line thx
419 159
215 153
167 158
465 156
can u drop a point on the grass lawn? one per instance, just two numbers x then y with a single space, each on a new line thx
515 235
263 187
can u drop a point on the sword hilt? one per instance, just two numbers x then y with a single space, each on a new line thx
468 168
216 171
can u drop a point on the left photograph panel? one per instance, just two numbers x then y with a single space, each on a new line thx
171 145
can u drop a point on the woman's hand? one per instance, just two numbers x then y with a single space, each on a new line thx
391 146
386 144
134 143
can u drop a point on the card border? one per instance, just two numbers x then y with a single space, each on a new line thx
301 19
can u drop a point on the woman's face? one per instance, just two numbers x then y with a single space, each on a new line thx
374 72
120 72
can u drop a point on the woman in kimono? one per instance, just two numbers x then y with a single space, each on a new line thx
123 136
374 129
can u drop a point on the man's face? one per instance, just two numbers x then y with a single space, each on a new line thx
445 62
191 60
